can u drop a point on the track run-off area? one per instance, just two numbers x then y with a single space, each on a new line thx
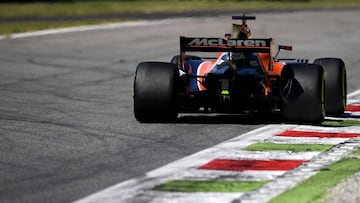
224 172
68 132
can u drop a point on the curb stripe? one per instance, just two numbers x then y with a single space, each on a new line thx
295 133
242 165
353 108
139 189
183 197
316 186
249 175
259 155
278 181
292 178
305 140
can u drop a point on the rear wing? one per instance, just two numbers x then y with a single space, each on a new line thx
201 44
230 45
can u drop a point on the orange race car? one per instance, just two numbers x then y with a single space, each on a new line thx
245 77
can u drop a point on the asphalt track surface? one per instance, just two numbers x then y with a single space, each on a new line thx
66 123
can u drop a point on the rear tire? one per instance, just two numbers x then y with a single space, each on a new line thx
302 92
335 85
155 92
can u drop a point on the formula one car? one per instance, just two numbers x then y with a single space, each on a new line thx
245 77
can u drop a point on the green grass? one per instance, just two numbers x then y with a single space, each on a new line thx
209 186
84 8
314 188
311 190
343 123
356 152
99 7
288 147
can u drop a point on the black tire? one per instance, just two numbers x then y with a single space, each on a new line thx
155 92
302 92
335 85
176 59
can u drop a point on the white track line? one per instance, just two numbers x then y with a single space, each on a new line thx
179 197
291 140
123 192
249 175
261 155
86 28
139 189
355 94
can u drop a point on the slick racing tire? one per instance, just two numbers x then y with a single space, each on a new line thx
155 92
335 85
176 59
302 93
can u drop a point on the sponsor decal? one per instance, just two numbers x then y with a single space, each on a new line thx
228 43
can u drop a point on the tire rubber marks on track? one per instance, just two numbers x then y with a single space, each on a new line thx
228 161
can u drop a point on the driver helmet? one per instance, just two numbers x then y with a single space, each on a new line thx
241 31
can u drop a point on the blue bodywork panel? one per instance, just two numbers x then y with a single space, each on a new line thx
248 66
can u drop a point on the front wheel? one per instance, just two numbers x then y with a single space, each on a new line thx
155 92
302 93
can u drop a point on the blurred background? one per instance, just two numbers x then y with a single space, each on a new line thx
18 16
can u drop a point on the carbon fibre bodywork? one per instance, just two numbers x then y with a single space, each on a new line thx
225 86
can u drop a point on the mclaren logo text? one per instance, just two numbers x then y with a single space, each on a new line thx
228 43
